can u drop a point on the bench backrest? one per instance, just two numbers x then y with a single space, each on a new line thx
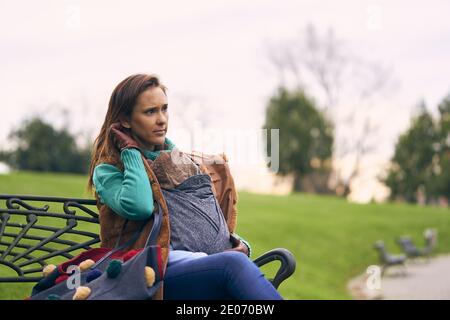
381 248
36 231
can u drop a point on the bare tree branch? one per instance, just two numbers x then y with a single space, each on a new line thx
324 62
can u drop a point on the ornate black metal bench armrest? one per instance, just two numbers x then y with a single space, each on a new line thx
287 267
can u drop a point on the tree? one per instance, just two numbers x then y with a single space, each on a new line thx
411 169
40 147
306 136
323 66
441 173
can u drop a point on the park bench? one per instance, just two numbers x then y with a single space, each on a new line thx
36 231
388 260
409 248
412 251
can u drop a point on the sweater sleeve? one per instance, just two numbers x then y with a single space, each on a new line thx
127 193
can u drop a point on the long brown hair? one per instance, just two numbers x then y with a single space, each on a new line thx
121 104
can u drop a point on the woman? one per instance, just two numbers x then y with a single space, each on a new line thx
132 138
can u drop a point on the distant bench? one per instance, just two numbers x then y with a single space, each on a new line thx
408 247
36 231
412 251
387 259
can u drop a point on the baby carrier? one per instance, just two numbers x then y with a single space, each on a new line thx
197 223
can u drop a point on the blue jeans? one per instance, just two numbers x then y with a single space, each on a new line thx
220 276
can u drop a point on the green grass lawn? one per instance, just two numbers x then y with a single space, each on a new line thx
330 238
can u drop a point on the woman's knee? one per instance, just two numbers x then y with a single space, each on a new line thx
235 255
237 260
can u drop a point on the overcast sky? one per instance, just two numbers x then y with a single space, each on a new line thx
73 53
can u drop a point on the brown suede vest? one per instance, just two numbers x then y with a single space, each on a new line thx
111 224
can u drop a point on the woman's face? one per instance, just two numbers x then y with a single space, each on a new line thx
150 118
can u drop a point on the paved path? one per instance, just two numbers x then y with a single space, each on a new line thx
423 280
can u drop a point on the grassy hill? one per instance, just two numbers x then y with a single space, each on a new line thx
330 238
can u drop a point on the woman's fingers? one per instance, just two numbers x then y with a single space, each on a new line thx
241 247
116 125
122 139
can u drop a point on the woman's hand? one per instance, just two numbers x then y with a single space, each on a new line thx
238 245
122 139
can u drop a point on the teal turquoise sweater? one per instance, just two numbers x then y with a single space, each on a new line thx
129 193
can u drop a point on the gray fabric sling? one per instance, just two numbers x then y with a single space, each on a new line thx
197 223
